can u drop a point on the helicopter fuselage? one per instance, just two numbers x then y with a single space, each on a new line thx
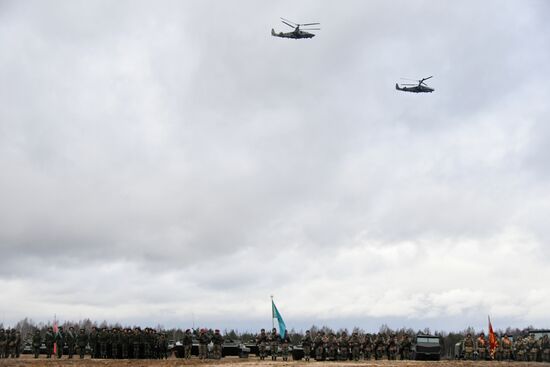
297 34
417 89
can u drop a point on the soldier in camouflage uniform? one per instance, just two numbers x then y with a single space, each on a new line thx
49 339
545 348
319 343
163 346
355 343
261 342
136 343
307 342
285 346
367 347
94 339
36 343
217 340
103 340
70 338
469 347
59 341
187 343
332 347
17 344
3 343
125 337
532 348
506 345
405 347
81 342
392 347
379 347
274 344
343 344
204 340
11 343
481 347
520 349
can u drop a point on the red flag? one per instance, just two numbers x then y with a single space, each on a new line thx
492 340
54 333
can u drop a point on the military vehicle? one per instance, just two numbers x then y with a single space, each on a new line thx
297 33
229 348
421 87
426 347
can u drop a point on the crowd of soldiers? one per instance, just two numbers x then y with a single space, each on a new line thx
332 346
102 343
521 348
10 343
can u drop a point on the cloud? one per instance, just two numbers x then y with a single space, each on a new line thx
183 165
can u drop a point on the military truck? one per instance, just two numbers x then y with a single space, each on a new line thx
426 348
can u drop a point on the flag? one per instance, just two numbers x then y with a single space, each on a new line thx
276 315
492 340
54 333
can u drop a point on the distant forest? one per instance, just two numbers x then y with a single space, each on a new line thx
448 339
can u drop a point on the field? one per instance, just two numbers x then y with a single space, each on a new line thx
27 361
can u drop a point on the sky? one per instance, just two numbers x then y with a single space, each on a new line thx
172 163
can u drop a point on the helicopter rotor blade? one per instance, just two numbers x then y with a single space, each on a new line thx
311 24
409 84
310 29
289 21
288 24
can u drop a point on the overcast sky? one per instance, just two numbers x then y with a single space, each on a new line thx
171 162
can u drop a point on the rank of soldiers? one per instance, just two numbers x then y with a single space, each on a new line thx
520 348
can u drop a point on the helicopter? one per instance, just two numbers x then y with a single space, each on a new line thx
414 88
297 33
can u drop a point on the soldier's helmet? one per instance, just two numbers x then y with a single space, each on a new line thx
307 331
274 330
217 331
481 334
188 331
263 330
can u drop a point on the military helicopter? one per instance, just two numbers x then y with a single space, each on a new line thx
297 33
421 87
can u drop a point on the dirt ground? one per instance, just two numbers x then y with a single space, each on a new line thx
28 361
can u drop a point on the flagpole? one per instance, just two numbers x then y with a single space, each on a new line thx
272 319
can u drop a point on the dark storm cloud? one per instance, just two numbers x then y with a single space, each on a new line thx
180 147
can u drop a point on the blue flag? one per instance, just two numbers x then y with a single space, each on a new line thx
277 315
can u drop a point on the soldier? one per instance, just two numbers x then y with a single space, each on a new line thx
146 343
533 348
274 344
319 343
136 342
367 347
49 339
70 338
332 347
506 345
163 346
187 343
261 342
392 347
217 340
343 343
103 339
306 345
481 347
469 347
10 352
379 347
94 338
545 348
17 344
285 346
59 341
36 343
405 347
125 336
3 343
204 340
355 343
81 342
520 349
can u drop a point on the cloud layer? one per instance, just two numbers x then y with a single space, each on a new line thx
174 164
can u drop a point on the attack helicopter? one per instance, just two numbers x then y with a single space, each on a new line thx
421 87
297 33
